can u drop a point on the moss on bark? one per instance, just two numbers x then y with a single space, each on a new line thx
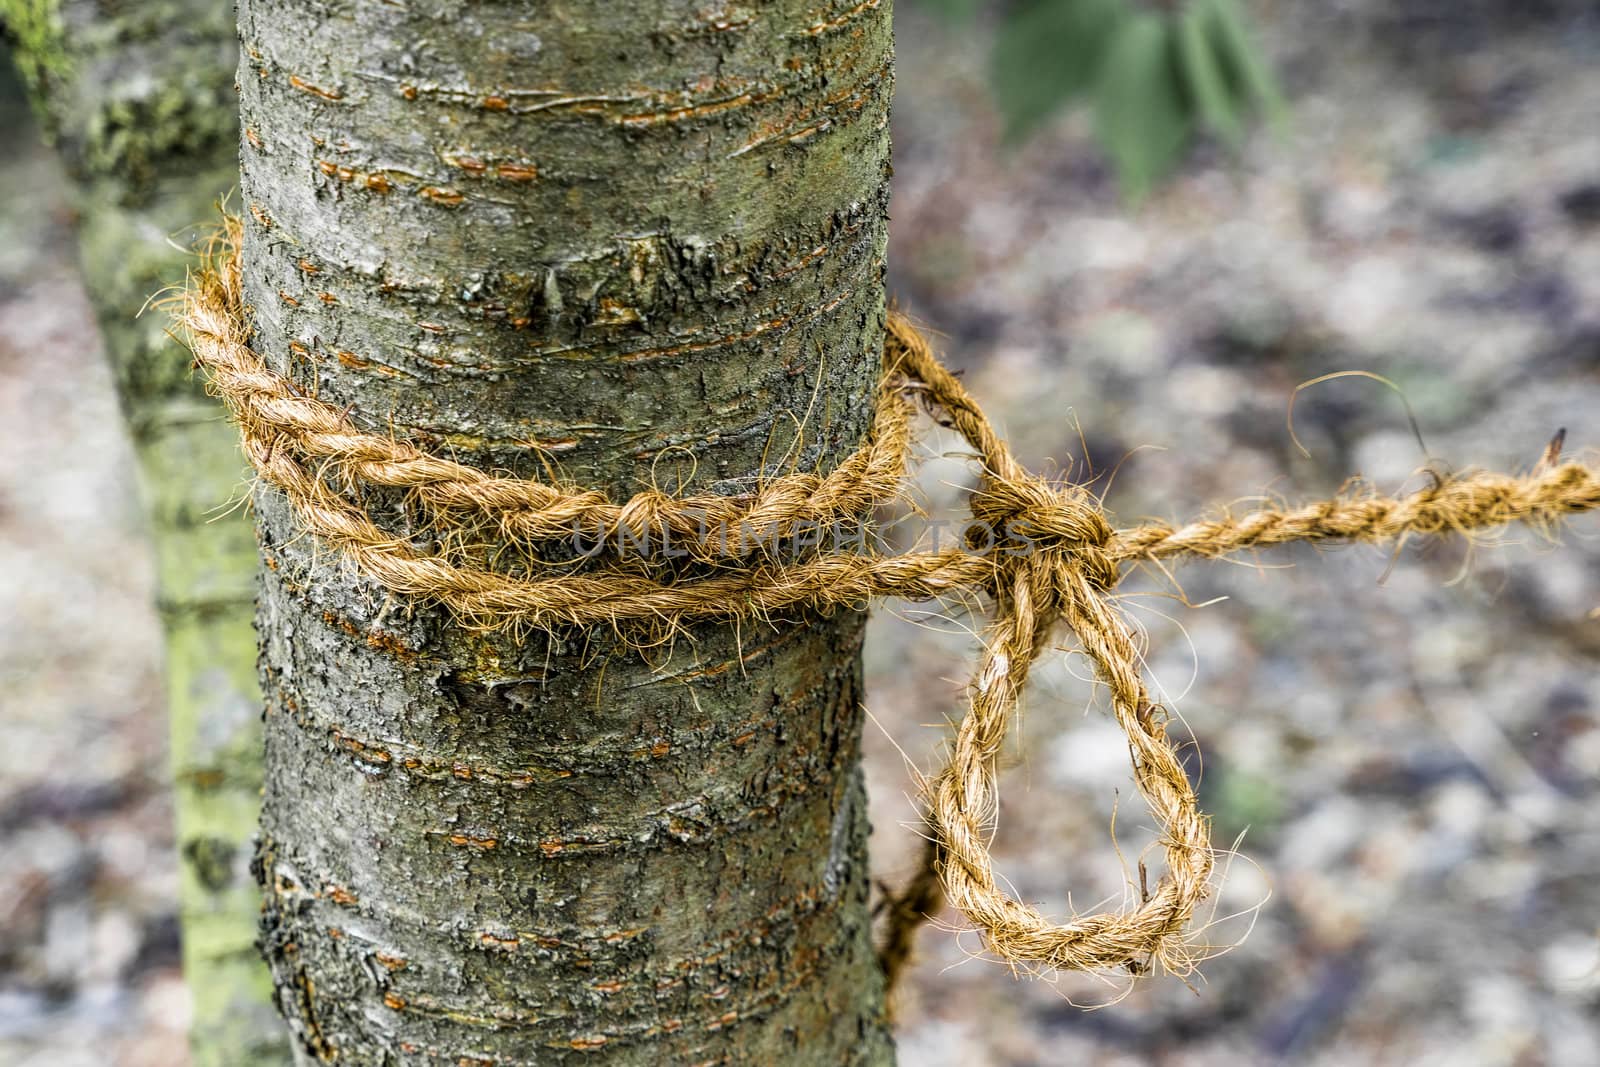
139 101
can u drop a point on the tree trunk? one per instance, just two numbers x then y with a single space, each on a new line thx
139 99
642 241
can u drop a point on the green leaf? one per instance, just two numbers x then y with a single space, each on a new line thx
1209 94
1141 114
1045 53
1241 60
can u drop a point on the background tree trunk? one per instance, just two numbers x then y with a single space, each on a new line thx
139 99
642 240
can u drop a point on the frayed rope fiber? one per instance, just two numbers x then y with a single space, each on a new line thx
320 460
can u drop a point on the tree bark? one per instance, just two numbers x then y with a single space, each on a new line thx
139 100
642 242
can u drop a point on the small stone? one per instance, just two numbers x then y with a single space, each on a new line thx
1582 204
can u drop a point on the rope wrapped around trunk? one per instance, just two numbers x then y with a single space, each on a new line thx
1052 558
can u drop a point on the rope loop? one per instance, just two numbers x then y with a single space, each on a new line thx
1050 558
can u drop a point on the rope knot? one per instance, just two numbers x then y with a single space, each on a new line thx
1028 516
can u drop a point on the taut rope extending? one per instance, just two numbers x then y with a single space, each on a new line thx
1052 558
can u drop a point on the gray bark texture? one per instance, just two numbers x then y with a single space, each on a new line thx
139 101
638 243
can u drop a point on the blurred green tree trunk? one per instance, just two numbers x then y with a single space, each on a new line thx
139 100
642 239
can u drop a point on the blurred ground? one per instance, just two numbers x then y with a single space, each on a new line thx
88 936
1416 760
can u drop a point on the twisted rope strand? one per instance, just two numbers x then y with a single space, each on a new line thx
269 408
1054 560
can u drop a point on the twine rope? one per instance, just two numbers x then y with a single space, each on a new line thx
1057 561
